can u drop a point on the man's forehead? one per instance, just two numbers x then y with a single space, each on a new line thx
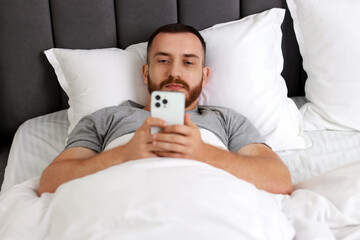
176 43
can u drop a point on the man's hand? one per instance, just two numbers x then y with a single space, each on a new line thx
140 146
180 141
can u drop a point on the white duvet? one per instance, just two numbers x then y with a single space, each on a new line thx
161 198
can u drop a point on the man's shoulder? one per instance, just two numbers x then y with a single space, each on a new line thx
124 107
106 111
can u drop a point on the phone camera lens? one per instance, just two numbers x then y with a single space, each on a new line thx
157 104
157 97
165 101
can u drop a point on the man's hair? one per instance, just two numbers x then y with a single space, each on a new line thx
176 28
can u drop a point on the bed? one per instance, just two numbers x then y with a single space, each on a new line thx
298 65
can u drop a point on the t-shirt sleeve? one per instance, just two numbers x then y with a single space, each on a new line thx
90 131
241 132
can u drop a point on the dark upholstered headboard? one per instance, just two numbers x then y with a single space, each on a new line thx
28 85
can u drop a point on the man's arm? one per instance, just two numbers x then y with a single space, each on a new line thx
255 163
79 161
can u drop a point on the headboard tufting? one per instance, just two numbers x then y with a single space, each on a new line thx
28 85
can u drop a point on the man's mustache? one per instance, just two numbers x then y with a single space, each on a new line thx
171 79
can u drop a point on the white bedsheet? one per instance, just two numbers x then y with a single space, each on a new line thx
36 143
162 198
330 149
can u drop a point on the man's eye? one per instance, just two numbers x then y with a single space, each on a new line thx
189 63
163 61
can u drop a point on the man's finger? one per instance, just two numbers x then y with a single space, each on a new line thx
168 137
178 129
188 121
153 122
169 154
170 147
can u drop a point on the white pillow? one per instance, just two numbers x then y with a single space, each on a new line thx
329 44
94 79
244 57
246 61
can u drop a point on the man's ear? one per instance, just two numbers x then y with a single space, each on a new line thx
206 74
145 73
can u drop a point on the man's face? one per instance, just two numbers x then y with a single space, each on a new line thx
176 63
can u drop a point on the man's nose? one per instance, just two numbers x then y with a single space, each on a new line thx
175 70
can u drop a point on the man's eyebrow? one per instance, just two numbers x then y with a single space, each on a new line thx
191 55
161 54
188 55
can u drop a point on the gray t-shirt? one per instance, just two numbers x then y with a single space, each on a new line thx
97 130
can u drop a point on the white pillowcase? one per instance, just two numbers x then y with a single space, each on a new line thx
329 44
245 62
94 79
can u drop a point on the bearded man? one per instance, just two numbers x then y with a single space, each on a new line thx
114 135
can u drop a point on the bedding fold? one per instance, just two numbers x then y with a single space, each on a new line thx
167 198
155 198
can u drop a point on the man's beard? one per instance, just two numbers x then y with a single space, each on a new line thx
193 93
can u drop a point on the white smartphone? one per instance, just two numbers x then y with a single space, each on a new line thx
169 106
